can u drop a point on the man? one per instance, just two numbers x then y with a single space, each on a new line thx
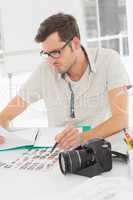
79 86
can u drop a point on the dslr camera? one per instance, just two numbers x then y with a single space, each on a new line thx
89 160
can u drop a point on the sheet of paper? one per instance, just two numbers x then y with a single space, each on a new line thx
46 137
24 137
3 131
18 138
27 134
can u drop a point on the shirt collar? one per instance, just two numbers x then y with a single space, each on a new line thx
91 56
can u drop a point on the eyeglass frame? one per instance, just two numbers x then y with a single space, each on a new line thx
57 50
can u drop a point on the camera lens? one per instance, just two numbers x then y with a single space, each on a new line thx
72 161
63 165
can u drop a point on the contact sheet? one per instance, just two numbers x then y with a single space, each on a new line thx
33 160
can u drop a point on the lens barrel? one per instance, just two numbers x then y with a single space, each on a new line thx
73 161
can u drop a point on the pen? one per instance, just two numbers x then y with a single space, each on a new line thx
55 145
36 137
84 128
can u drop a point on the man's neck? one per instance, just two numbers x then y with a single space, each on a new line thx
79 66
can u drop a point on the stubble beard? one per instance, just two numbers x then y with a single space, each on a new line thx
68 69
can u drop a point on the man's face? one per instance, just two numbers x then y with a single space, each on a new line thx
60 54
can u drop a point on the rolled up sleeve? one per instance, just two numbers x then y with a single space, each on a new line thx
31 90
117 75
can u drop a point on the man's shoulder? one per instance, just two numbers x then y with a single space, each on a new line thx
45 67
102 51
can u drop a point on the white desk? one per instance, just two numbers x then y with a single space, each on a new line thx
51 185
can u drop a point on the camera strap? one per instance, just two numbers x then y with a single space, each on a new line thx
120 156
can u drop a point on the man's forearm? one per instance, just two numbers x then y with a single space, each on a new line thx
107 128
12 110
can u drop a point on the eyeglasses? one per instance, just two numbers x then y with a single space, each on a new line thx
56 53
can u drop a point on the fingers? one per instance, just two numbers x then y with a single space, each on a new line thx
63 134
70 143
70 137
2 140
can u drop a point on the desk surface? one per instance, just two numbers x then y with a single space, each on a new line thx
51 185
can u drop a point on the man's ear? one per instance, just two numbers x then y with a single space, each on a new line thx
75 43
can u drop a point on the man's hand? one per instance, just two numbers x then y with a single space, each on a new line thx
69 138
2 140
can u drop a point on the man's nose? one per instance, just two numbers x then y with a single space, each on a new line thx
51 59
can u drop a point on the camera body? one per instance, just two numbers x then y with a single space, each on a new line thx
89 160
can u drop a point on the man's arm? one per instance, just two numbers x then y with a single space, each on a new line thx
118 99
16 106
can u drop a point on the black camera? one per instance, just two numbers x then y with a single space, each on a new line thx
88 160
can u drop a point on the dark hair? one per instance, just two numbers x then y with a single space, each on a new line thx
64 24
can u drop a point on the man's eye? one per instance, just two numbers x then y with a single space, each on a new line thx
55 52
42 52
